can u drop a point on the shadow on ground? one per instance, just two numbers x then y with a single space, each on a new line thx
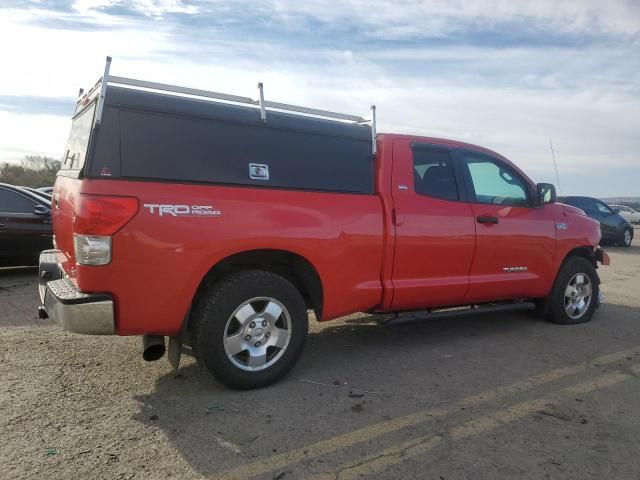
361 372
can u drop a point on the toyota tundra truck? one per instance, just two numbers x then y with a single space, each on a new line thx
221 222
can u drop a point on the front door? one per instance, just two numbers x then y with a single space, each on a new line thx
515 240
23 233
607 218
435 229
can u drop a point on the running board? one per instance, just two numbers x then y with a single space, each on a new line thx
464 311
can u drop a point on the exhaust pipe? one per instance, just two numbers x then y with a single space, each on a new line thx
152 347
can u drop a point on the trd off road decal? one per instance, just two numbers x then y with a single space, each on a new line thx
182 210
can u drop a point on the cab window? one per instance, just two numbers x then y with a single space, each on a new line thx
493 182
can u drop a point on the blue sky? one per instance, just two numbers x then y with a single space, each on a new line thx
507 75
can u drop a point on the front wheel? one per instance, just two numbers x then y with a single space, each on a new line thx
574 296
249 329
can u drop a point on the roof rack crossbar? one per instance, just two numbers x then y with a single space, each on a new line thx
175 89
313 111
231 98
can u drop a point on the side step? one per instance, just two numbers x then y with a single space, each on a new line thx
463 311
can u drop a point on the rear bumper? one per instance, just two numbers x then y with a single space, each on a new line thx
77 312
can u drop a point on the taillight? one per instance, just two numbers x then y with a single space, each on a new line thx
102 214
95 219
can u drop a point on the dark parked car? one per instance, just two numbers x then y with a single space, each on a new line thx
615 229
38 192
25 226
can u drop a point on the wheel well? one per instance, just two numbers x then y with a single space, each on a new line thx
295 268
584 252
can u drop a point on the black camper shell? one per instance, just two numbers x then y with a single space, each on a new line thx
143 135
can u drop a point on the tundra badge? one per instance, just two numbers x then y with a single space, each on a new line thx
514 269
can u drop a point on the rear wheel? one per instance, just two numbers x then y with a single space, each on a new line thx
574 296
249 329
627 237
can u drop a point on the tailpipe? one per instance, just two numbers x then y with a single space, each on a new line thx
152 347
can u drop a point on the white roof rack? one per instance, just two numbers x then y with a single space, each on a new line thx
224 97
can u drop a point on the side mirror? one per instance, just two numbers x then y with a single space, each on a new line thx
546 193
41 210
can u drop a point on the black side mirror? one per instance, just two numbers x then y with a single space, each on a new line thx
546 193
41 210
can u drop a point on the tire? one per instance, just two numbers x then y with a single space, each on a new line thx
626 237
576 277
249 329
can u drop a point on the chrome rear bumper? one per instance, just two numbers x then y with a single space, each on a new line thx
77 312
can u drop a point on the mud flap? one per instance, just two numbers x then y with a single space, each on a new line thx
175 350
175 343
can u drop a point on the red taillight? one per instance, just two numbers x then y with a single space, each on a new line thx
102 214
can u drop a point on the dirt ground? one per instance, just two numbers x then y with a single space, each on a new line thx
491 397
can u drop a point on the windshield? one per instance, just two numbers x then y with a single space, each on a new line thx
78 142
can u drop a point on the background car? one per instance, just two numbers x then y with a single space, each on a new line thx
627 212
25 226
38 192
614 228
48 190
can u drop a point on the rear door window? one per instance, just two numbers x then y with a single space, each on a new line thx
78 142
433 174
14 202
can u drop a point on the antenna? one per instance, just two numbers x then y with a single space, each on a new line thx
553 155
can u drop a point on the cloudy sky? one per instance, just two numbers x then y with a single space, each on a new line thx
504 74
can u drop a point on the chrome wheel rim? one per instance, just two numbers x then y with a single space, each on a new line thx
577 296
627 237
257 334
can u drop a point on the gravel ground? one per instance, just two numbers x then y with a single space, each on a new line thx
496 396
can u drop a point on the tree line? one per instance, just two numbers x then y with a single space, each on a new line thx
33 171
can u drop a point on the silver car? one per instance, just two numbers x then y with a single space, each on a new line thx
627 213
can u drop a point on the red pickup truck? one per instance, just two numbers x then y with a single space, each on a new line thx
221 221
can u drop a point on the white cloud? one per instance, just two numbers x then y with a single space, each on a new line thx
436 17
511 98
152 8
32 135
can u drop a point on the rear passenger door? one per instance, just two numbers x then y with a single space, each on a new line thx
515 240
434 227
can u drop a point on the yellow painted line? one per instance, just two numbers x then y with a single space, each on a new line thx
376 430
380 461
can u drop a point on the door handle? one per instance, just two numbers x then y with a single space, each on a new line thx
487 219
